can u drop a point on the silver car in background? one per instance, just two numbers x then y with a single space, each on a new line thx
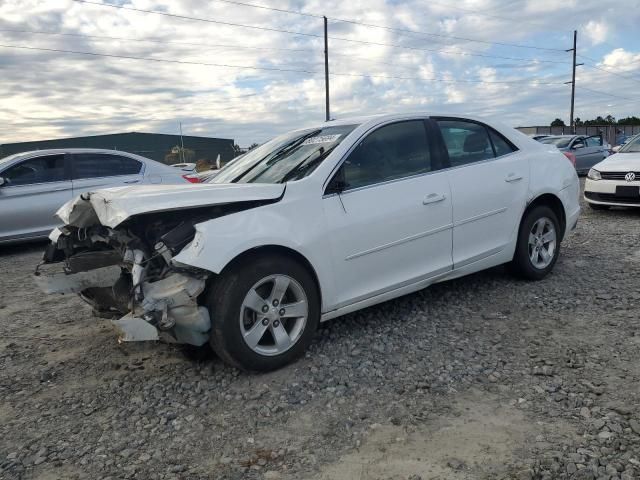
33 185
587 150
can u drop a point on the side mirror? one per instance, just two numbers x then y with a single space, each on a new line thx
577 145
3 182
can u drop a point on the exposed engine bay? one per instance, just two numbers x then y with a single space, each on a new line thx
127 274
127 271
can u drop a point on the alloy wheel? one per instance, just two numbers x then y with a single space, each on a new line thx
542 243
273 315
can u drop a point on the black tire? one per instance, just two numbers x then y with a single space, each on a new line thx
224 300
521 265
596 206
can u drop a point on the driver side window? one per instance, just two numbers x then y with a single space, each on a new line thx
389 153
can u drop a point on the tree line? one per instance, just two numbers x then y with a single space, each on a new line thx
599 120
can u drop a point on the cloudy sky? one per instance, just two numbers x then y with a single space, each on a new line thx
459 56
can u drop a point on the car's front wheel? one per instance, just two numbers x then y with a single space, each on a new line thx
538 244
264 312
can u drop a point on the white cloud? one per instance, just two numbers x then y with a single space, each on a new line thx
48 94
622 60
596 32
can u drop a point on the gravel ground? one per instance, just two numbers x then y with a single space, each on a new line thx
484 377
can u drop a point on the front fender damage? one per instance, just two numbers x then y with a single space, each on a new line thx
122 262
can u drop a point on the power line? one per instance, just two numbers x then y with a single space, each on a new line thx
394 29
290 32
289 70
273 9
161 60
607 94
208 20
249 47
451 52
162 42
595 67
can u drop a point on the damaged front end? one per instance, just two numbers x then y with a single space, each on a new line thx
122 277
117 251
127 274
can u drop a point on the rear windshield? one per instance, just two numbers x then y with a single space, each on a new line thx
291 156
560 142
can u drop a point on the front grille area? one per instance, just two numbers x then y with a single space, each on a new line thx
617 175
611 197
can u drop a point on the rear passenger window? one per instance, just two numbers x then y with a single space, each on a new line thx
466 142
501 145
391 152
36 170
91 165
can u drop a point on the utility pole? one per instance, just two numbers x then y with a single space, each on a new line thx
326 71
573 80
181 141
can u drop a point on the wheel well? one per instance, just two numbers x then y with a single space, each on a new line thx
279 249
555 204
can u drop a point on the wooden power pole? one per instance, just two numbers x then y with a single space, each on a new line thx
326 71
573 81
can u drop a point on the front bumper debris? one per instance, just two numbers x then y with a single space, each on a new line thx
146 295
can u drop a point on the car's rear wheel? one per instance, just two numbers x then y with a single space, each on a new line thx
538 244
596 206
264 310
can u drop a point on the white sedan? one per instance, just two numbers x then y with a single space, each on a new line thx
310 226
616 180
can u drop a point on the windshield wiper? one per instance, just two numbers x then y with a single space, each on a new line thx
306 164
280 153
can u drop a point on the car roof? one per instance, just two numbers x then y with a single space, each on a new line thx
371 120
58 151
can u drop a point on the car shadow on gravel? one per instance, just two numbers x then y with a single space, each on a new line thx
22 248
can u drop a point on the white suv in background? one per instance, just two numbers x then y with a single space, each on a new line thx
33 185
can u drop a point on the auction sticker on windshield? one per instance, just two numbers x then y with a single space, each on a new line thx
322 139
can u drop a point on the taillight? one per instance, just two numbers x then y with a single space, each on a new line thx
571 157
191 178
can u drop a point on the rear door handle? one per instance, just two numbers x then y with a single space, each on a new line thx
132 181
513 178
433 198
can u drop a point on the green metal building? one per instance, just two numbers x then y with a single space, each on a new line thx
157 146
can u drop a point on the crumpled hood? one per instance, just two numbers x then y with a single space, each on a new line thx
112 206
620 162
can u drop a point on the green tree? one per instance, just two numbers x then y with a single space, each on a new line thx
629 121
558 123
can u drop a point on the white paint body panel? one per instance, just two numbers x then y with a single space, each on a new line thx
392 251
375 243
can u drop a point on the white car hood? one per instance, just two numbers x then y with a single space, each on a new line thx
620 162
112 206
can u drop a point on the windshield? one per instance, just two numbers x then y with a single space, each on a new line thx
560 142
291 156
632 146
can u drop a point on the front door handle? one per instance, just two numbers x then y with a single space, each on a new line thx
433 198
513 178
132 181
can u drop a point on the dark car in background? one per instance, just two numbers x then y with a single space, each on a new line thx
587 150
